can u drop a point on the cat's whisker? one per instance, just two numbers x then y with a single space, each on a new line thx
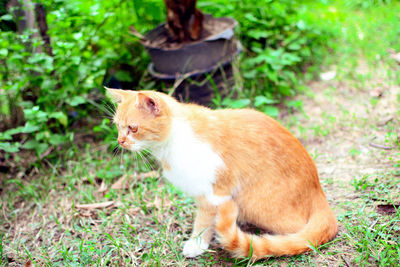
109 108
145 161
106 117
137 160
140 158
105 107
149 164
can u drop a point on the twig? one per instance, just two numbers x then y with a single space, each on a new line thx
46 153
380 146
345 261
135 32
95 205
373 224
178 81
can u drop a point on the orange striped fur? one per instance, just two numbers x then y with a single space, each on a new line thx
265 177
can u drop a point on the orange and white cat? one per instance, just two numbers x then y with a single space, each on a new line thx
240 165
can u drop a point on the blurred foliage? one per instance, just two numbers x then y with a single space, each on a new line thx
366 3
279 43
90 40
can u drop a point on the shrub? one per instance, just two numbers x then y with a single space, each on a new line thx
45 93
279 46
49 92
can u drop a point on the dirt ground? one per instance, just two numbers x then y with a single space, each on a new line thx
348 126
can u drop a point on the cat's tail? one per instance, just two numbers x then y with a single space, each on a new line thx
321 228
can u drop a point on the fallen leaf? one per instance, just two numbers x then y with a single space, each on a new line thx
95 205
385 120
148 174
103 187
327 76
29 264
388 208
378 92
122 183
395 56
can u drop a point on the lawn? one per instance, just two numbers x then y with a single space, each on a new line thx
96 205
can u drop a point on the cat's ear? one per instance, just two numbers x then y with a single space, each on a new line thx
116 95
148 103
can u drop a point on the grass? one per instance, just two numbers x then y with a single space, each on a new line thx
42 220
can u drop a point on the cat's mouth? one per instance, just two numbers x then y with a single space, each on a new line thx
135 147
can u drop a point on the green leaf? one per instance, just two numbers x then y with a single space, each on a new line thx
251 74
294 46
123 76
9 147
40 148
236 103
76 100
3 52
57 139
7 17
251 17
271 111
295 104
262 100
61 117
31 144
30 128
7 135
15 130
258 34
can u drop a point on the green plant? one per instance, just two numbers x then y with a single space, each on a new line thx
45 93
366 3
279 46
279 43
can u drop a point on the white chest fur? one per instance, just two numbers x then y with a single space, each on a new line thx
192 163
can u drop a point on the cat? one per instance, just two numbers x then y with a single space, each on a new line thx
184 20
239 164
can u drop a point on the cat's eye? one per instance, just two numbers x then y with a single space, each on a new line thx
133 128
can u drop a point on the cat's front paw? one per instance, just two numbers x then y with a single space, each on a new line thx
194 247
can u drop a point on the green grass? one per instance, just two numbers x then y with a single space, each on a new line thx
40 218
151 219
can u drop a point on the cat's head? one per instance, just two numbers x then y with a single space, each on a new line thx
142 118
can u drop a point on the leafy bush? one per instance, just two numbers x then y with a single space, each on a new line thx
52 91
366 3
49 92
279 46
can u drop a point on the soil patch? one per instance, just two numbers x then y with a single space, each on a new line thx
161 38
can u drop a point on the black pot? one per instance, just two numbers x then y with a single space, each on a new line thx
171 59
198 62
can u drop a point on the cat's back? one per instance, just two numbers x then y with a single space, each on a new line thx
236 123
246 132
241 128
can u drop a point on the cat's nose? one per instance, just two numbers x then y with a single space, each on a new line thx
121 141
